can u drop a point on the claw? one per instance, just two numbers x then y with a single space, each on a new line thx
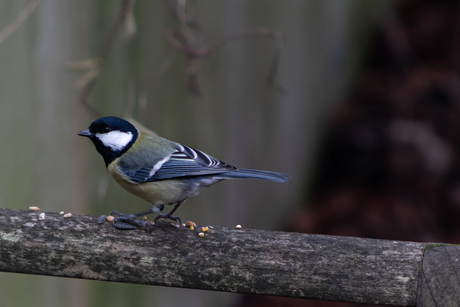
122 225
130 221
102 219
168 216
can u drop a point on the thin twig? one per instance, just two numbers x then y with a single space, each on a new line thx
188 40
19 20
126 8
84 97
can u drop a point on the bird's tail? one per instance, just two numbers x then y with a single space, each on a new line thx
242 173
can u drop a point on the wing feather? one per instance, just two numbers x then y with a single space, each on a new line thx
184 162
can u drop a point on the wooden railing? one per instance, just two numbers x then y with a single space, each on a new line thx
234 260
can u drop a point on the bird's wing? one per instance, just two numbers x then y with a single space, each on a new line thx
183 162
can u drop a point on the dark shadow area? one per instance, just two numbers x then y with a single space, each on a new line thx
389 167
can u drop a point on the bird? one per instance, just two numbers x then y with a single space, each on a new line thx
158 170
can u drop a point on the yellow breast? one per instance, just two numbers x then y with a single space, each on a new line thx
157 192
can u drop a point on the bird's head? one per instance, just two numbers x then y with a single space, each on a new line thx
112 136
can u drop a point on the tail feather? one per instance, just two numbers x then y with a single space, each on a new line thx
242 173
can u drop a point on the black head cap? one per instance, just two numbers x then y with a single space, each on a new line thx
111 123
111 148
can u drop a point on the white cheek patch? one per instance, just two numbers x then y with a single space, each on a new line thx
116 140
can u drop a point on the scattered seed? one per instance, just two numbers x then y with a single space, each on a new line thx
190 223
109 218
191 227
206 228
41 216
144 218
183 224
175 225
201 234
68 215
238 226
34 208
62 212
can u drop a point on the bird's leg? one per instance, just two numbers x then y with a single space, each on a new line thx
130 221
170 215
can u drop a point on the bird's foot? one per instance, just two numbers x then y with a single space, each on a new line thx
168 216
128 221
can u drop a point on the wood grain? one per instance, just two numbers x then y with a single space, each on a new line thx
245 261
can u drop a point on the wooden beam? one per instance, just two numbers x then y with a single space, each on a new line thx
246 260
439 279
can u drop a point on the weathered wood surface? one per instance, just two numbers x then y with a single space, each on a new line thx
245 261
439 281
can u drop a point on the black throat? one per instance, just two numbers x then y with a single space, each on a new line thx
108 153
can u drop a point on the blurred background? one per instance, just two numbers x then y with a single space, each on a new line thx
357 100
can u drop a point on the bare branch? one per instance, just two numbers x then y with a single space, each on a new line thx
19 20
126 7
91 76
188 40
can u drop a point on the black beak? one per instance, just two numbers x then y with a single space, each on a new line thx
86 133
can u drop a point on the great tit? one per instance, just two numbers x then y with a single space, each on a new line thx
157 170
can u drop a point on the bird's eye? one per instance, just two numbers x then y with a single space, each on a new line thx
107 129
